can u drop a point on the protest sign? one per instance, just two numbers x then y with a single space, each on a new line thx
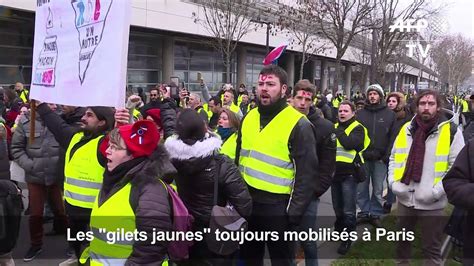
80 52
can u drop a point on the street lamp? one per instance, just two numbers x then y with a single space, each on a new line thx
267 45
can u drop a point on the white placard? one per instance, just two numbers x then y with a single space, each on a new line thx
80 52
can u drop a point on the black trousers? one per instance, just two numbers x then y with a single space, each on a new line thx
269 218
78 219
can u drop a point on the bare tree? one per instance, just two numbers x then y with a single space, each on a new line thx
298 21
453 59
363 57
340 21
227 22
387 13
399 66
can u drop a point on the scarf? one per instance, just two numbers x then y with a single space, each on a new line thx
414 166
111 178
225 133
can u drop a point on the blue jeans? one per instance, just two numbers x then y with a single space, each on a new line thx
309 221
344 195
372 205
391 198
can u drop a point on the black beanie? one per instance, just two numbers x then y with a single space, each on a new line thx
104 113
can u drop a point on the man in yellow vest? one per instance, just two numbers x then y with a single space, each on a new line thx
23 93
276 154
228 103
423 152
84 161
352 140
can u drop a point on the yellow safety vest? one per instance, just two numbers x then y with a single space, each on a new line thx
229 146
83 173
443 146
265 161
465 106
209 112
239 100
234 108
336 102
114 215
136 114
24 95
348 156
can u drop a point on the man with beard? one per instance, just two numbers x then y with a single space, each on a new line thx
379 120
422 154
84 161
276 153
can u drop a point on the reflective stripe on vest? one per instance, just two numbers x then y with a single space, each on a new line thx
83 173
229 146
401 151
348 156
113 215
265 161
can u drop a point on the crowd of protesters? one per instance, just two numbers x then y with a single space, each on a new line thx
268 154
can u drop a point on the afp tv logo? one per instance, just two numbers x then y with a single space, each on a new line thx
436 27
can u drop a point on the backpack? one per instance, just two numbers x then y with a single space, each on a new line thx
182 221
11 207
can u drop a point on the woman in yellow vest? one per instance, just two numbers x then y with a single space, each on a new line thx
132 198
352 139
228 125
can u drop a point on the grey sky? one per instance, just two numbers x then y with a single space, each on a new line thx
460 16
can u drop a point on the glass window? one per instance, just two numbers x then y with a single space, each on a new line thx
10 75
143 62
142 76
200 65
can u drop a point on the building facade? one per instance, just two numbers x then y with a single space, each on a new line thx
166 42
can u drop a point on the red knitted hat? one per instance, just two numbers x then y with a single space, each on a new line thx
141 138
156 115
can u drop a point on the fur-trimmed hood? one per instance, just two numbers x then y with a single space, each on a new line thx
401 99
193 160
179 150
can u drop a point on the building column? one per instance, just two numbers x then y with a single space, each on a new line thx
324 75
348 80
242 65
367 82
168 59
290 69
312 69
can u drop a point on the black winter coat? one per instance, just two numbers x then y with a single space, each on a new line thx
459 186
198 165
379 120
4 158
168 114
324 133
149 200
326 109
355 141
